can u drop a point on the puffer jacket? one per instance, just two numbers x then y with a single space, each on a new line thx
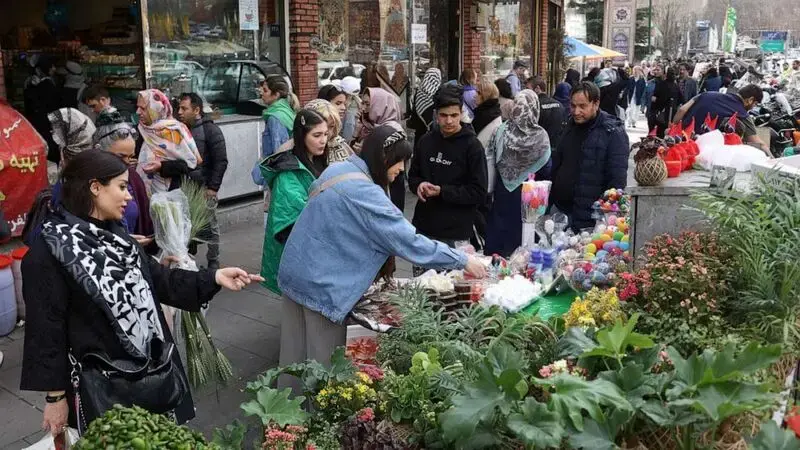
603 165
288 181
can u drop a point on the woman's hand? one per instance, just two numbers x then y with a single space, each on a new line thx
151 167
55 417
475 267
234 278
144 241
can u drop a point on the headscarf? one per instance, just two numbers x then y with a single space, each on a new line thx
423 98
383 107
338 150
111 127
72 131
165 139
562 94
606 77
526 147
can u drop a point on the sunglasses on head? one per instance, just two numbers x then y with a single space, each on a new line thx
120 133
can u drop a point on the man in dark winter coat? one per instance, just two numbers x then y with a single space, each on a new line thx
448 174
592 157
687 84
551 116
211 145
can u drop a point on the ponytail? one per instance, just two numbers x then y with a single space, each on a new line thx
277 84
294 102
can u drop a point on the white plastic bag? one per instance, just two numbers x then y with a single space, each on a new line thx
48 442
714 152
173 226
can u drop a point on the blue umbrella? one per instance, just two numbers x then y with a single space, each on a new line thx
579 48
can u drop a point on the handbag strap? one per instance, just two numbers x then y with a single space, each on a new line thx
336 180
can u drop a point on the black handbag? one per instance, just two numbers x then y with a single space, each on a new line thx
157 386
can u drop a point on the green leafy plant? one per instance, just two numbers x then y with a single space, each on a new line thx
763 226
771 437
231 437
274 406
312 374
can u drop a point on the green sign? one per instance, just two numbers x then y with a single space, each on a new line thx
772 46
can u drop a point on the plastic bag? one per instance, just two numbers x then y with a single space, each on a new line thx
49 442
173 226
713 152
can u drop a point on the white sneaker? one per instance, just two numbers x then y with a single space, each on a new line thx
1 358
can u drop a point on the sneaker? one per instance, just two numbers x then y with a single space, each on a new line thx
1 358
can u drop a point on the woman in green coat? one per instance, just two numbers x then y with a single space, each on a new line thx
288 175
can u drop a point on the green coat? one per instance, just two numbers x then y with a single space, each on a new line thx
288 181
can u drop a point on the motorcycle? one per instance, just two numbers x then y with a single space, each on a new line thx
784 130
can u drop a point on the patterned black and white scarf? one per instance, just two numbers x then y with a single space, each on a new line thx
109 268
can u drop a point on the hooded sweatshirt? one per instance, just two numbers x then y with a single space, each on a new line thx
458 165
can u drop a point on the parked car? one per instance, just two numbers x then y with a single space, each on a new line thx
232 86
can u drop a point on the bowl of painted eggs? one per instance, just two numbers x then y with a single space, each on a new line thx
613 201
605 254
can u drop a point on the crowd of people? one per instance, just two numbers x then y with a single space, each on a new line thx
335 173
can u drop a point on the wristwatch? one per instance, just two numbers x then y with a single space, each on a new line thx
55 398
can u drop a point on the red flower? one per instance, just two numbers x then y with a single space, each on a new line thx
365 415
373 372
793 422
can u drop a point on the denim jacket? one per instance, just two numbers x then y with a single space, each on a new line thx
274 135
343 237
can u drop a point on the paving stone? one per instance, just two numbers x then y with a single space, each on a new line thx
9 380
250 304
12 354
19 419
244 332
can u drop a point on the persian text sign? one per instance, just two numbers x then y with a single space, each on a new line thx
23 166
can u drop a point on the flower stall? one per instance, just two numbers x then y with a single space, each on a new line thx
695 348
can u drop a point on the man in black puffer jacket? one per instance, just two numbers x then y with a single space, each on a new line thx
592 157
211 145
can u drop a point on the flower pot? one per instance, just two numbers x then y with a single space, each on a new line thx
674 168
650 172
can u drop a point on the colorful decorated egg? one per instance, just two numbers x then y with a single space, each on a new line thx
625 238
591 248
612 219
609 245
624 246
598 244
589 256
619 235
605 238
587 284
611 277
601 254
603 268
597 277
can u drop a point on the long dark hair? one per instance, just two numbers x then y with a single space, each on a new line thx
305 120
380 157
78 175
330 92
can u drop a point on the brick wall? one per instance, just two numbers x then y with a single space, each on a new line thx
2 78
471 39
303 25
543 30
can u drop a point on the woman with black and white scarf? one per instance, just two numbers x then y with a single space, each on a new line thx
93 299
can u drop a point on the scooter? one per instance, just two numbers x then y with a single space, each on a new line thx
784 130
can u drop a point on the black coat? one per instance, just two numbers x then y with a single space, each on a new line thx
485 114
603 165
211 145
40 100
61 316
551 118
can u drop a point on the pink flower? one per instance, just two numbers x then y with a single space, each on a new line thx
366 415
545 372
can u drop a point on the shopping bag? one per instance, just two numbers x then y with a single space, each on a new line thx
70 437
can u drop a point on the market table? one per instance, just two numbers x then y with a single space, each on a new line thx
661 209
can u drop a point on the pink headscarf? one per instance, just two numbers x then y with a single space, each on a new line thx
383 107
165 139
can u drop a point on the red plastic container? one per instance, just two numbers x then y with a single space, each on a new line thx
674 168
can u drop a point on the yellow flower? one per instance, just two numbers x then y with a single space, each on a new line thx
362 389
364 378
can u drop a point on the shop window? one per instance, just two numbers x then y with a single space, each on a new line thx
199 46
356 35
507 36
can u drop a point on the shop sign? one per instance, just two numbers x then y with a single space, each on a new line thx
248 15
275 30
419 33
23 167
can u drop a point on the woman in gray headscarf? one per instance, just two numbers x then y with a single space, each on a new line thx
72 132
521 148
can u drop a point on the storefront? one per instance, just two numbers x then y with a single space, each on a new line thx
220 49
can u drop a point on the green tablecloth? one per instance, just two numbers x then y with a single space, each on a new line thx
551 305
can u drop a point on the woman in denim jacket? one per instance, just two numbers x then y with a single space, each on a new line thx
342 240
